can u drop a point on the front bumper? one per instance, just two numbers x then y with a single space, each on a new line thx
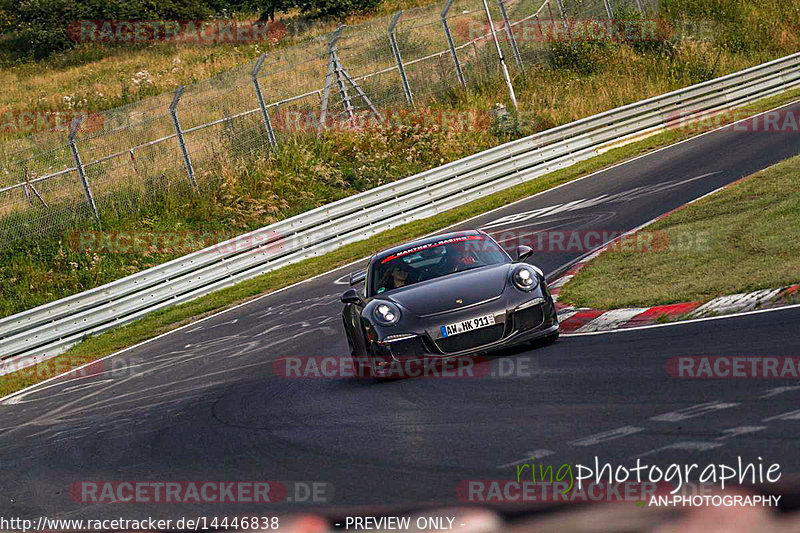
524 323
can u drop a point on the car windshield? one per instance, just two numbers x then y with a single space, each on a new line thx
433 260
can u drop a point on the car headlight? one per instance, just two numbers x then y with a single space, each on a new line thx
525 278
386 313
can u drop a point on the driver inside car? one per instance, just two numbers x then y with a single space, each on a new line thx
394 278
460 258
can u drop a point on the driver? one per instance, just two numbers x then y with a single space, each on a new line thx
394 278
460 257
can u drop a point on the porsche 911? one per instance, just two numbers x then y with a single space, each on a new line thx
452 295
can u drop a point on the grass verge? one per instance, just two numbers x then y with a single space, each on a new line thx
741 239
165 320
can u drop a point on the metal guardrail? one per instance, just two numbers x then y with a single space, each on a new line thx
38 334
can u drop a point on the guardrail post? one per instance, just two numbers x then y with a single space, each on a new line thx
264 115
500 55
73 131
609 11
399 59
451 44
173 111
510 33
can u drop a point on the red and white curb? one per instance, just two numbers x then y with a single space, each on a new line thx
585 320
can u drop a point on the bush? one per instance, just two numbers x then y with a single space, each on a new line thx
336 8
642 43
39 28
582 57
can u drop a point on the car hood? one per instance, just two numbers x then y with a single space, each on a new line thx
441 294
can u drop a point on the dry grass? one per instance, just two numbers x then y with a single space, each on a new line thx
244 186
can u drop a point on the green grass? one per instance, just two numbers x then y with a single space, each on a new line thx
172 318
741 239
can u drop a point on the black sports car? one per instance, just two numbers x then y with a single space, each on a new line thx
445 296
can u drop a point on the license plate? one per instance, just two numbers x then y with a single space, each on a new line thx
467 325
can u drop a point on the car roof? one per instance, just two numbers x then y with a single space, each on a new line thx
421 242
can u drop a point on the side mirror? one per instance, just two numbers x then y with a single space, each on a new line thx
523 252
351 296
357 277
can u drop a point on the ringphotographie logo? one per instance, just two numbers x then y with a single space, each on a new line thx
176 31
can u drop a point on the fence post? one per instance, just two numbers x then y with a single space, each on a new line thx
343 72
510 33
641 7
399 59
340 83
173 111
323 113
500 55
264 115
609 11
451 44
564 16
73 130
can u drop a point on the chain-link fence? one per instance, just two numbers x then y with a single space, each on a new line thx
114 162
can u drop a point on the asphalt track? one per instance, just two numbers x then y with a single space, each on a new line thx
204 403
